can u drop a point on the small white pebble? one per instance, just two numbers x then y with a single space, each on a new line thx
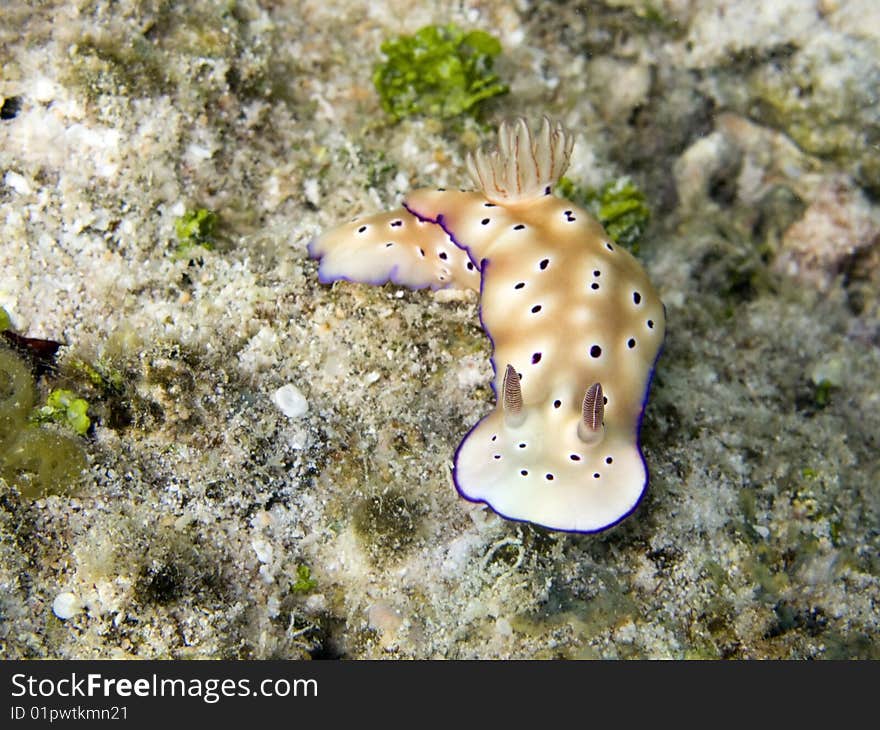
290 401
762 530
401 182
44 90
18 183
263 549
198 152
66 605
273 606
312 191
316 603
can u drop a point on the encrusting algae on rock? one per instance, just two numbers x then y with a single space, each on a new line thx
575 323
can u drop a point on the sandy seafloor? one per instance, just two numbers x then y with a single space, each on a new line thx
753 128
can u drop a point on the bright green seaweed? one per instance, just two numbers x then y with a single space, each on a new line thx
195 228
440 71
62 406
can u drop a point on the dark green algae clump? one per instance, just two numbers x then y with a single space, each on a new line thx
37 460
440 71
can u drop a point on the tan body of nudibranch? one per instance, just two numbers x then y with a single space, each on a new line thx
575 323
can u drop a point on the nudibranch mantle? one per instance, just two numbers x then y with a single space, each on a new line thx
575 323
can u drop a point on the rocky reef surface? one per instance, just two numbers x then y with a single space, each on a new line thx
221 517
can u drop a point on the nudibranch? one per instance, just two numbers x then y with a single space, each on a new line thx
575 324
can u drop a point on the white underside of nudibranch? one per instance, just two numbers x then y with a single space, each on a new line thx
575 323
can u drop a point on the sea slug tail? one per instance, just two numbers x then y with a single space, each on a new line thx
395 247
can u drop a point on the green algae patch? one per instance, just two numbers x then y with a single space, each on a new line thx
16 396
37 460
304 582
441 71
101 375
63 407
109 386
195 228
41 462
